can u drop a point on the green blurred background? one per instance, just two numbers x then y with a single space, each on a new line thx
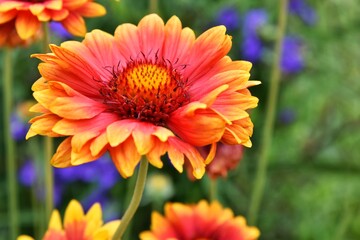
313 177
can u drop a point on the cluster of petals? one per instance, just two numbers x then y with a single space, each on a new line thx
227 158
78 225
26 16
198 221
148 90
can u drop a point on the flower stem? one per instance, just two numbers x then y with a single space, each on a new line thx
268 129
213 189
135 201
10 146
154 6
48 148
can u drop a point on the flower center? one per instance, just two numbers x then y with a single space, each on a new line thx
145 90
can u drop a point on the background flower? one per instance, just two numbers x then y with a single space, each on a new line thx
198 221
229 17
252 46
78 225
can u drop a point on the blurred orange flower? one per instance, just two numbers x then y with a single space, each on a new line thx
149 90
78 225
201 221
28 15
227 157
10 38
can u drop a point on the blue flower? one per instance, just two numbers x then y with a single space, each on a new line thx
253 20
292 60
229 17
252 46
303 10
287 116
27 174
100 171
58 29
18 127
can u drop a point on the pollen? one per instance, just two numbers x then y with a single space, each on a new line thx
147 90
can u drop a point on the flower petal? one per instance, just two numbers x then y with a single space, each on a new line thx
151 35
125 157
196 160
62 157
74 24
26 24
178 41
73 213
7 16
91 9
201 128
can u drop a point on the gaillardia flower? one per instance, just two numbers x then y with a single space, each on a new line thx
78 225
201 221
149 90
28 14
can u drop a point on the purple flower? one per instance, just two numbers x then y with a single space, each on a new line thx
287 116
252 47
18 127
229 17
303 10
27 174
292 60
253 20
100 171
58 29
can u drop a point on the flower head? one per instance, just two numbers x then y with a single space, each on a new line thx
201 221
149 90
78 225
27 15
227 157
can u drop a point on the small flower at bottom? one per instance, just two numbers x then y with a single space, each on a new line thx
199 221
78 225
149 90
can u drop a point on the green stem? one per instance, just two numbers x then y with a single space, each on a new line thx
135 201
130 185
10 146
48 149
213 189
268 129
154 6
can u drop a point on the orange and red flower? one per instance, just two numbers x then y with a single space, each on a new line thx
29 14
10 38
78 225
227 157
201 221
149 90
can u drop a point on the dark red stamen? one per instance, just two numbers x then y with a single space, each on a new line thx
145 90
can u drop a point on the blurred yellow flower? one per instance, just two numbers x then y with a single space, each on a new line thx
78 225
